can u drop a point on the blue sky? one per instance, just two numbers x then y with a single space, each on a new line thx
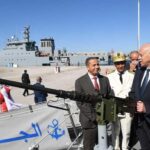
77 25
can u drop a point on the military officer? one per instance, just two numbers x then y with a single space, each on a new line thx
121 81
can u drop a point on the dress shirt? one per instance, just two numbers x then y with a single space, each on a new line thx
144 76
93 81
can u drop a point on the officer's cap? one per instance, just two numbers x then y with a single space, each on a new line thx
117 57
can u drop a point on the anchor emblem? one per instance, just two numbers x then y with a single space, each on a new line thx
57 132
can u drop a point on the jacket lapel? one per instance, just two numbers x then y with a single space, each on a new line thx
126 78
139 80
116 78
147 87
101 81
89 83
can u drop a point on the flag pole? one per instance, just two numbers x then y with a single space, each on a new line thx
138 24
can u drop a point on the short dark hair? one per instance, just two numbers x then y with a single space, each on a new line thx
88 59
25 70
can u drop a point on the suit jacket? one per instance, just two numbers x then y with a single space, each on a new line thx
136 96
121 90
87 110
136 90
25 78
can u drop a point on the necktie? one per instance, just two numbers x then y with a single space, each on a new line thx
120 77
145 81
96 86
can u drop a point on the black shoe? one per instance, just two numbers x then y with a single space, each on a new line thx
23 94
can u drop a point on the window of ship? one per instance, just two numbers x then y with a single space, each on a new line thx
48 44
43 44
50 58
30 46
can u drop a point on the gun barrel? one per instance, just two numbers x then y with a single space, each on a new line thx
73 95
30 87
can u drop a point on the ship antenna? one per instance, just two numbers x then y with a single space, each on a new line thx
27 33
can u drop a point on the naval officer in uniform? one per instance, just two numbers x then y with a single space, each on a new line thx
121 81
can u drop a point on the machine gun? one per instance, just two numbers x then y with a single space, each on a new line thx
73 95
107 108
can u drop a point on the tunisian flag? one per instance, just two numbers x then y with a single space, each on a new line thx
6 101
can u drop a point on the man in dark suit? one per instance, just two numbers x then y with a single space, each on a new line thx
91 83
26 80
39 96
141 94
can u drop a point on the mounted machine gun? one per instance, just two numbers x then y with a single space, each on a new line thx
107 108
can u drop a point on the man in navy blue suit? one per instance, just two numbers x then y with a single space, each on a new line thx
39 96
141 94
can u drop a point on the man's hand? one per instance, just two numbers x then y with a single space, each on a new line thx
133 66
140 107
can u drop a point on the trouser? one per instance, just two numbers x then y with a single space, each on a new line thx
26 91
143 132
124 124
90 138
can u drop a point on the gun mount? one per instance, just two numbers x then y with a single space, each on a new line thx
108 109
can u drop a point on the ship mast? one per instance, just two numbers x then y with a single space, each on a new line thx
26 33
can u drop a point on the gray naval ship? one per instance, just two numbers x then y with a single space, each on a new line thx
25 52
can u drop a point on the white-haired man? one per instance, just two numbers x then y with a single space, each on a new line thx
140 93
